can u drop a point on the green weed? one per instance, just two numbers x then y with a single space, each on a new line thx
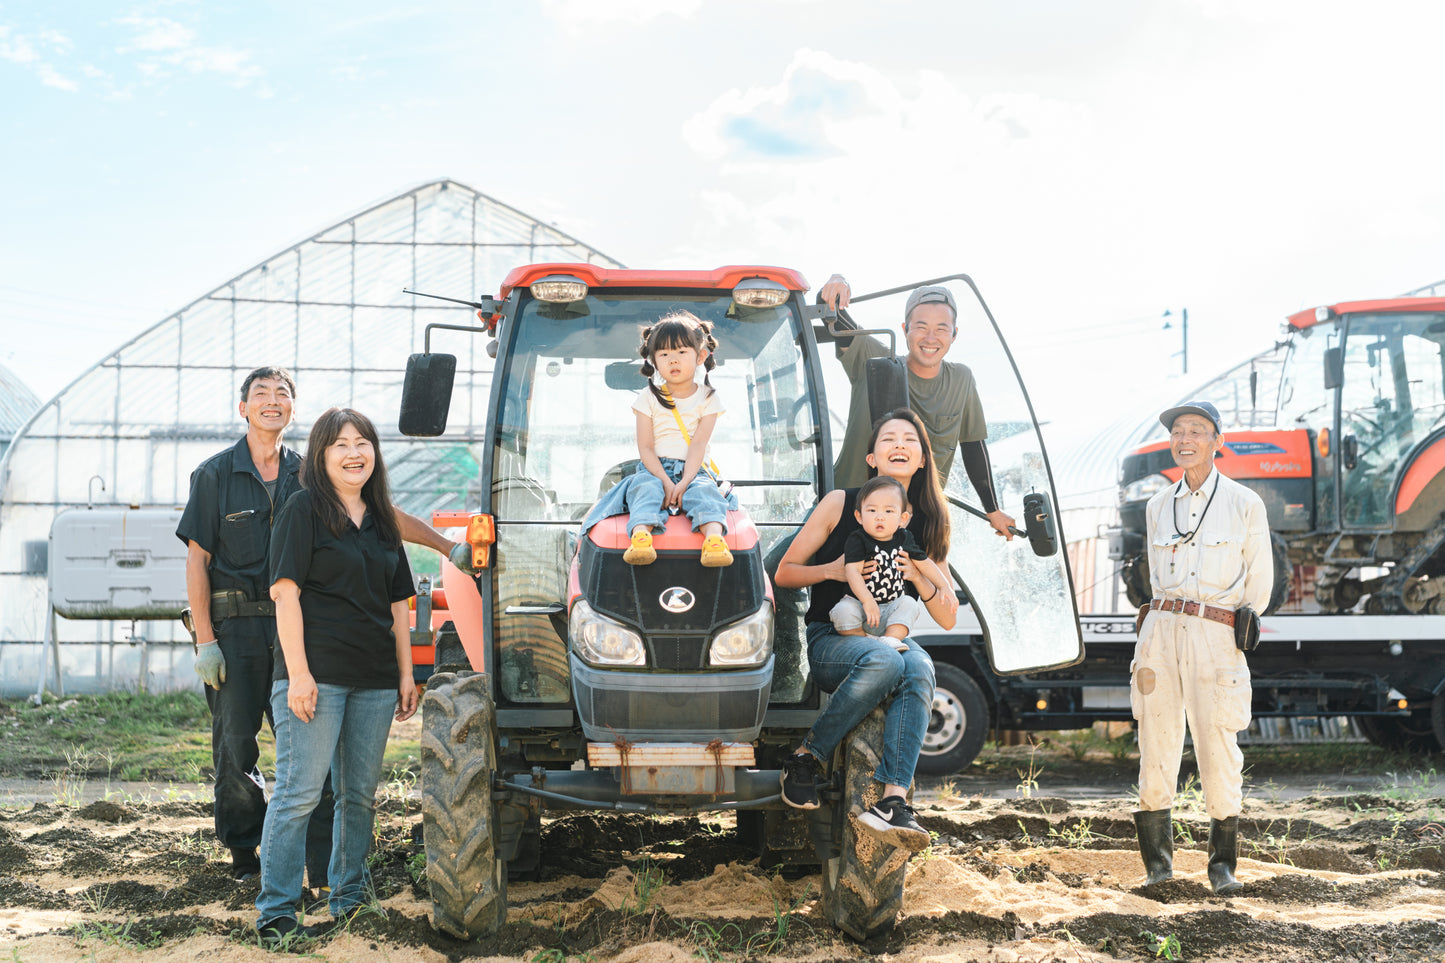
1029 780
1167 947
114 934
1077 836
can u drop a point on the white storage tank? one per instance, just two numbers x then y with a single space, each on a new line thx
117 563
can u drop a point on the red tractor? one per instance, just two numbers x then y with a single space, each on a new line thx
1353 474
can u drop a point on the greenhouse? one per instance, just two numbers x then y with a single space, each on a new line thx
124 436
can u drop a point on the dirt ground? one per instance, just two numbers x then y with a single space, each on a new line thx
1014 874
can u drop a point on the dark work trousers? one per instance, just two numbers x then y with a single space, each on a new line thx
237 709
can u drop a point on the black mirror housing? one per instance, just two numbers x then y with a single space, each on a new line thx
426 395
1334 368
1039 523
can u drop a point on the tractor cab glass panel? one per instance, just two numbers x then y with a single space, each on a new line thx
1023 601
1390 400
1304 402
566 433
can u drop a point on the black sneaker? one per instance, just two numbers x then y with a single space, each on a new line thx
801 774
890 820
245 864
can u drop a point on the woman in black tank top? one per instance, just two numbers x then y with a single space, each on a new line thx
862 671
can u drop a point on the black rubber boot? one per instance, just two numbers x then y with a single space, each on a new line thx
1156 843
1224 854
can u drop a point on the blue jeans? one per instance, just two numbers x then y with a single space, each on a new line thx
641 496
347 738
861 671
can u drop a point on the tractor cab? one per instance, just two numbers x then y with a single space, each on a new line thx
570 679
1353 473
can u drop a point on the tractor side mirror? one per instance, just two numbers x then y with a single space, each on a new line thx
426 395
1039 524
887 386
1334 368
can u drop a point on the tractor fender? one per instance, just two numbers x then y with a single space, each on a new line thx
1418 485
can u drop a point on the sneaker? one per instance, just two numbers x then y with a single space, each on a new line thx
801 774
890 820
715 552
641 551
245 864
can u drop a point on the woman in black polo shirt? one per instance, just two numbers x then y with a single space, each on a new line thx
340 580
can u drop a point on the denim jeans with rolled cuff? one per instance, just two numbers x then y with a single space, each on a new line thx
861 671
346 738
640 497
238 710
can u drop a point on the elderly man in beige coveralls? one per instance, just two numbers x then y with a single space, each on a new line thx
1209 554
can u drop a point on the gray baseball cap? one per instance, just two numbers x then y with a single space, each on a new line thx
1204 408
931 294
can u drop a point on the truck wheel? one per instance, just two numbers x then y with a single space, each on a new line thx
1135 575
468 881
1414 733
958 725
863 884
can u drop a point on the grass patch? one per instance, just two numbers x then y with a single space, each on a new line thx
126 735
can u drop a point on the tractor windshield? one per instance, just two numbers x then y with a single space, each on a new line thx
566 432
1392 397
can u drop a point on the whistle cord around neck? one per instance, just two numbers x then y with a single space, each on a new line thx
1186 537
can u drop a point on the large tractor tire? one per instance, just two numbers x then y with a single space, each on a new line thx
863 884
468 880
958 724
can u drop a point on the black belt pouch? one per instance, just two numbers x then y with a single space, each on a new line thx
1246 629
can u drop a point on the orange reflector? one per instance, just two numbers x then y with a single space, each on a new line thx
1322 442
1041 705
481 535
1403 703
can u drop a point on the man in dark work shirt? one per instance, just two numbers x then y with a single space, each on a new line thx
226 526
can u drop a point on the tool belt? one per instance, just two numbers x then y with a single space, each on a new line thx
1187 607
233 603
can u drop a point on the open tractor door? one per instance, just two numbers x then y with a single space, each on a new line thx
568 679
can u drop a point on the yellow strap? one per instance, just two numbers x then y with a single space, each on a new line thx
717 475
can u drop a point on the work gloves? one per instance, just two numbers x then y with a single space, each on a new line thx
461 557
211 665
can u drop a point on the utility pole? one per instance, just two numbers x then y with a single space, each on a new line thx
1184 328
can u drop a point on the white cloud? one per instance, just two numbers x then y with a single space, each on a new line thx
165 45
51 77
25 51
575 14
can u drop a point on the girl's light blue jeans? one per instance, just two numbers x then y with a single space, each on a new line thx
640 495
861 671
346 737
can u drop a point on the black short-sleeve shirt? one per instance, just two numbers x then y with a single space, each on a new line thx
886 582
347 587
828 593
229 514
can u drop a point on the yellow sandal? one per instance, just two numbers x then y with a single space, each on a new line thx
715 552
641 551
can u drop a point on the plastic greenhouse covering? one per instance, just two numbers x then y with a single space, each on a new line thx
130 430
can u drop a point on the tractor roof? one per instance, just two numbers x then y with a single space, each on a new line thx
723 278
1312 316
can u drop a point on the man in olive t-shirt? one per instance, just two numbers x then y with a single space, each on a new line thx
943 393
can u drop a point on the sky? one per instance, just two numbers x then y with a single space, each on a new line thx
1090 165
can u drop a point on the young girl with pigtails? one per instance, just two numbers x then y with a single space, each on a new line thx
675 419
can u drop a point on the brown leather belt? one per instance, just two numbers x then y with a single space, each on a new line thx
231 603
1211 612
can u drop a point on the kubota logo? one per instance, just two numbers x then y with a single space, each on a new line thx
676 599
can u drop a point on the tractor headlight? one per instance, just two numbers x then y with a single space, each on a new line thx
759 293
1142 488
603 642
559 289
748 642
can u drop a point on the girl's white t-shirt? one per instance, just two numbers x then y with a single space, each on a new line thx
667 439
